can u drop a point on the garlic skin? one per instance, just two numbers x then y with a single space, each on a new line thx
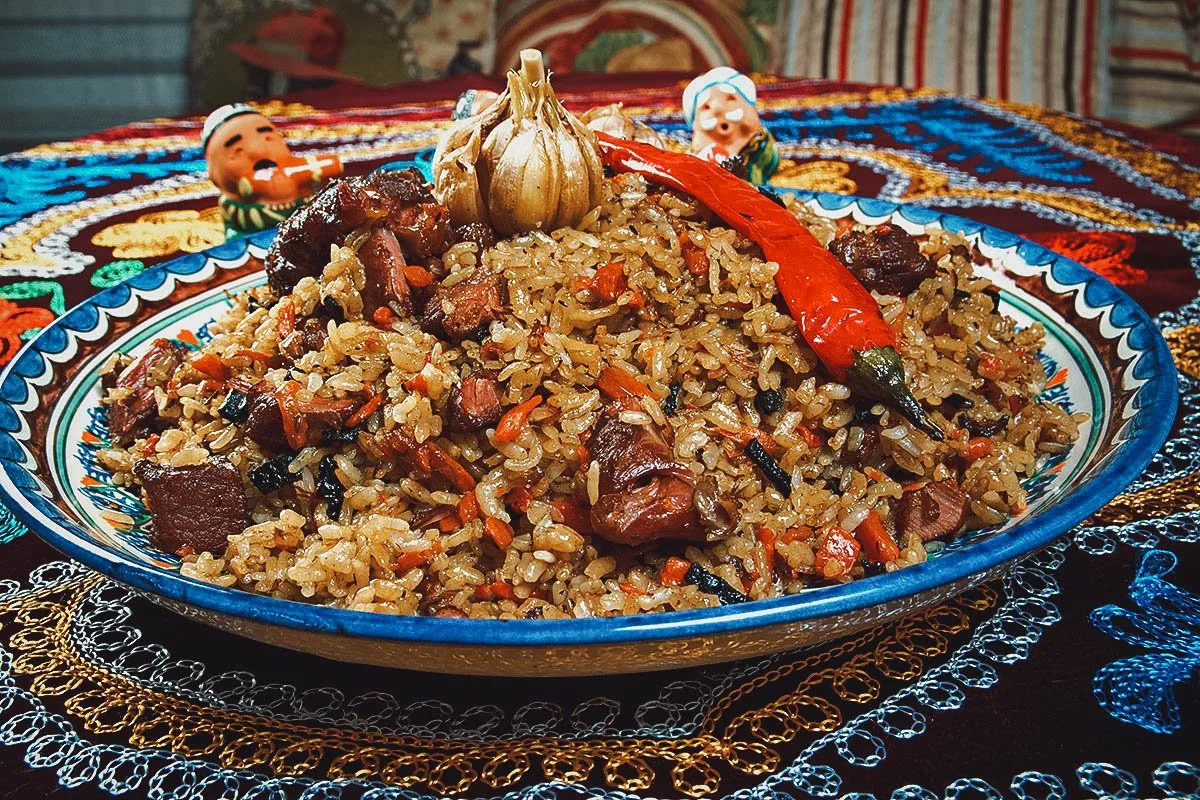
524 163
613 120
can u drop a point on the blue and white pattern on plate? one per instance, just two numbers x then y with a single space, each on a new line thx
1111 359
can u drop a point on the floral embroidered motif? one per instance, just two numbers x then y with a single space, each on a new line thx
15 322
1140 689
1104 252
163 233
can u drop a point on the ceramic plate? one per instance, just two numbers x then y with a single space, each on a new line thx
1104 355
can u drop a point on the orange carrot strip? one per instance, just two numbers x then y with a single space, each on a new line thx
211 366
610 281
673 572
448 467
468 508
519 498
418 276
766 537
800 534
365 411
287 320
630 589
295 424
694 255
449 523
616 383
499 532
839 550
978 448
384 317
418 384
513 421
877 544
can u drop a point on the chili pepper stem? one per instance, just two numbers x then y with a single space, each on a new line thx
879 373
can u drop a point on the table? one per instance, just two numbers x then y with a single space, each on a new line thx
994 695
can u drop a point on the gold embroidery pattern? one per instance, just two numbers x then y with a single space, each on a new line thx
161 233
744 731
816 176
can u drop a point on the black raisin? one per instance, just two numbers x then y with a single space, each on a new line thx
329 488
236 407
959 401
708 583
671 403
273 475
331 435
984 427
770 467
333 309
768 401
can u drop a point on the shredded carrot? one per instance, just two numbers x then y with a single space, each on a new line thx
800 534
616 383
418 276
877 544
513 421
418 384
810 437
211 366
610 281
837 554
694 256
978 448
630 589
494 590
637 299
449 523
287 320
912 487
406 561
365 411
875 474
384 317
295 424
519 498
448 467
498 531
468 508
581 453
581 283
254 355
744 436
673 572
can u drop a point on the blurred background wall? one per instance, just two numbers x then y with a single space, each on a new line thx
69 67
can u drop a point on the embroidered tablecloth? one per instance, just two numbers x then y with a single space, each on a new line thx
1075 675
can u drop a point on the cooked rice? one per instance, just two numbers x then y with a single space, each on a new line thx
721 333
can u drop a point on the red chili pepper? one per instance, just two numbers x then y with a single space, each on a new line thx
838 318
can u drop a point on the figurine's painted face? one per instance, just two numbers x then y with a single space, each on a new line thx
725 119
240 147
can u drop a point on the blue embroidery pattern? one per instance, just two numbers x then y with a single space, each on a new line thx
1140 690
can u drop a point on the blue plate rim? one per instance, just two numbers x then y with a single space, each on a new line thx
1159 392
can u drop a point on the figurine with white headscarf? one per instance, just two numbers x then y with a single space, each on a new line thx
719 105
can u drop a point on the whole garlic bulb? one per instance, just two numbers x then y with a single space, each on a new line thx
613 120
524 163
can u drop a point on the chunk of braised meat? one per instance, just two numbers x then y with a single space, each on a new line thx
885 259
112 370
475 403
461 311
383 262
310 335
399 200
198 506
478 232
134 411
934 511
264 419
645 495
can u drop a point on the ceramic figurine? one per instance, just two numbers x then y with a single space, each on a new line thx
472 102
261 182
719 105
